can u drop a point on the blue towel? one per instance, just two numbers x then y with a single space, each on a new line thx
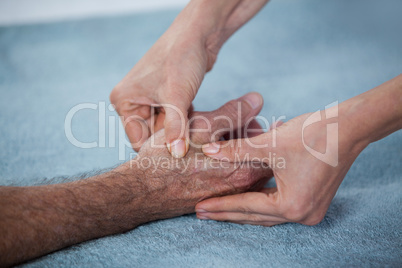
300 55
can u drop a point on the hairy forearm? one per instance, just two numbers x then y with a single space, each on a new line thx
374 114
37 220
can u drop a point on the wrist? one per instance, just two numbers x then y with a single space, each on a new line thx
155 195
128 196
374 114
200 25
350 125
205 18
211 22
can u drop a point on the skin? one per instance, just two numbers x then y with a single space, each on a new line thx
170 73
37 220
307 185
41 219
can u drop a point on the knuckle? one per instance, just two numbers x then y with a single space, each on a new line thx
200 124
175 119
173 116
296 211
230 108
254 218
114 94
242 207
303 212
314 219
178 93
240 149
233 148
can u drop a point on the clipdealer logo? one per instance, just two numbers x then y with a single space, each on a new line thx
330 156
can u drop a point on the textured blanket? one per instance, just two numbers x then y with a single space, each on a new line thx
300 55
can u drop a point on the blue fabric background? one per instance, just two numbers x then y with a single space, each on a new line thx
301 55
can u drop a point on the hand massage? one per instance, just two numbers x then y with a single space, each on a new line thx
215 164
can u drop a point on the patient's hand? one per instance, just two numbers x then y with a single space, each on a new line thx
178 184
39 219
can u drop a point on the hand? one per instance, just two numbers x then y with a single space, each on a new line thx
306 184
171 72
40 219
157 93
178 184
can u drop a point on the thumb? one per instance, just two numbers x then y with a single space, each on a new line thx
250 207
254 149
176 128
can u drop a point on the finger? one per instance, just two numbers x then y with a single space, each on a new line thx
191 110
251 202
157 122
256 149
276 124
239 217
269 191
135 125
234 115
176 127
264 223
253 129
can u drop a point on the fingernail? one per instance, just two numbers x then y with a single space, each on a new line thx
202 217
178 148
254 99
200 210
169 148
210 149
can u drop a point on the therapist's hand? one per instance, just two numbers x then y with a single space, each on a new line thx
168 76
306 184
170 73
